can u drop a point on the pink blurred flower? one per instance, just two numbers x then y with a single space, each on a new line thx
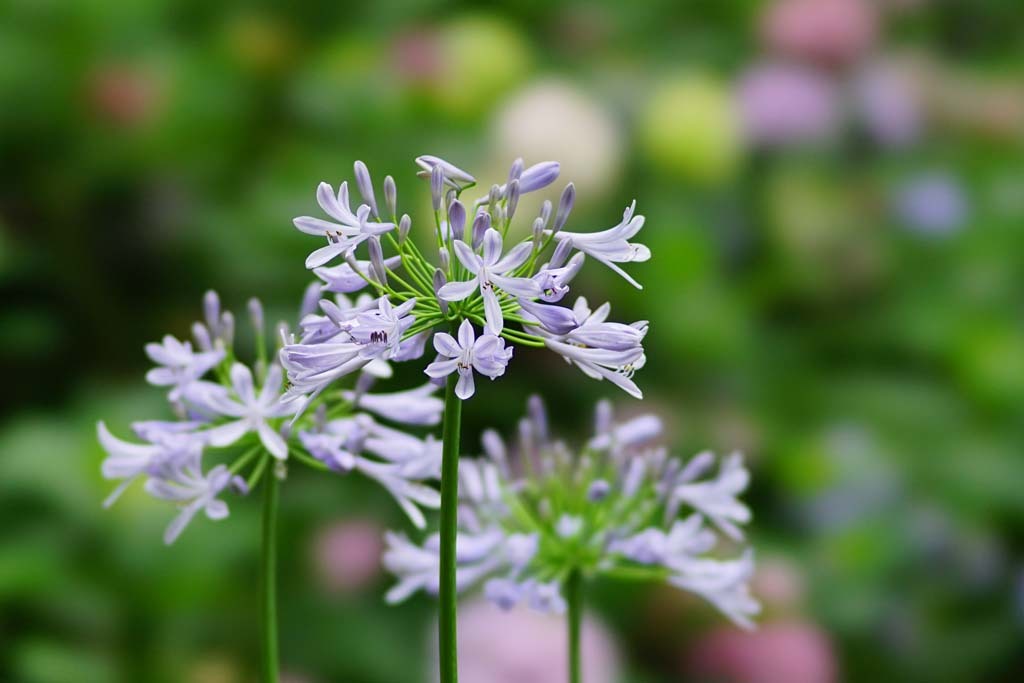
122 96
783 104
793 651
830 32
347 555
778 582
522 645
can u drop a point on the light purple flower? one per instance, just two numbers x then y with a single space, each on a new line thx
400 460
128 461
612 246
453 175
534 178
251 411
486 354
346 232
364 334
595 331
489 272
717 499
414 407
723 583
194 491
615 366
179 365
554 281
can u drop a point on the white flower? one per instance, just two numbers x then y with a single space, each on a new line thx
489 272
250 410
179 365
612 246
486 354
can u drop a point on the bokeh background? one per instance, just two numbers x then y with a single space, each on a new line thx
834 192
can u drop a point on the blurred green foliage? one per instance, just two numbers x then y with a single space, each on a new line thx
872 368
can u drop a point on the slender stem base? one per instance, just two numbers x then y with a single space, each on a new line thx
269 567
574 595
447 655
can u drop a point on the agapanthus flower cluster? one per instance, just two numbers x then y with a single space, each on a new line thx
486 288
236 422
619 507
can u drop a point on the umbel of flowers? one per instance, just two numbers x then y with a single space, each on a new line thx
538 521
482 293
235 428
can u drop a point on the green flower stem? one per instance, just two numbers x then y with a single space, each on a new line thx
270 655
574 595
449 518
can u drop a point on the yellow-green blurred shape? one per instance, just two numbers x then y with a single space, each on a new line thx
689 128
480 58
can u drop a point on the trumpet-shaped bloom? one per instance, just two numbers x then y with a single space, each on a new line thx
489 271
347 231
612 246
194 492
179 365
486 354
251 411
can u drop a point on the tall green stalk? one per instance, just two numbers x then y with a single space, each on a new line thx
447 654
574 595
269 564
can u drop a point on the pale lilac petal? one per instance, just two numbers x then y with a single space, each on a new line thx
273 441
446 345
457 291
465 388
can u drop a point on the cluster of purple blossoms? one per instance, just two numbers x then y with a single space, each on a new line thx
620 507
243 419
479 286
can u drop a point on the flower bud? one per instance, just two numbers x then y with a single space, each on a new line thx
202 336
561 253
380 273
494 195
439 281
436 186
256 315
227 329
545 212
565 204
444 258
211 311
391 196
365 186
456 219
403 227
481 224
516 169
539 176
538 233
598 491
513 198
